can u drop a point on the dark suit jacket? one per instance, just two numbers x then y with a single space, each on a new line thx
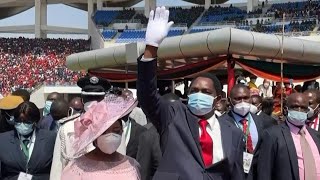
46 122
268 119
261 124
179 133
13 161
278 158
142 146
149 153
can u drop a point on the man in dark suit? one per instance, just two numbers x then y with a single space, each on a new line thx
26 149
195 145
250 124
314 106
46 119
257 102
291 149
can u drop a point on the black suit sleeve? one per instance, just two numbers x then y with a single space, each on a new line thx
149 153
155 108
266 157
238 172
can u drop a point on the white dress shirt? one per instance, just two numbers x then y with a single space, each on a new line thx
213 129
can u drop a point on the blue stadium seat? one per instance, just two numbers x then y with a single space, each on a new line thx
109 34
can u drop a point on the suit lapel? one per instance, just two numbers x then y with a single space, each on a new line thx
226 137
315 136
37 152
194 129
18 155
291 149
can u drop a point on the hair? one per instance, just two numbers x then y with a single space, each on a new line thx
59 96
236 87
59 109
29 109
89 98
22 93
267 106
315 92
216 83
258 97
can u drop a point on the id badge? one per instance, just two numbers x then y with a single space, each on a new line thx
247 161
24 176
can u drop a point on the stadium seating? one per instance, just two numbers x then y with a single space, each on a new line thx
129 36
185 16
218 14
104 18
109 34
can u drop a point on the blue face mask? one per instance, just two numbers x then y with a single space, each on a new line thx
47 107
24 128
200 104
297 118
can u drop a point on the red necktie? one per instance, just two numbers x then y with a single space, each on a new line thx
206 144
249 140
315 123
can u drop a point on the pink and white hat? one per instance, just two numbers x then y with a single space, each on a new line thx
99 117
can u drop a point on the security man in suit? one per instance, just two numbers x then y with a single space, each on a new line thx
250 124
291 149
195 145
314 106
257 103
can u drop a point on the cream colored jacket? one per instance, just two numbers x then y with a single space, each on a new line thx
63 147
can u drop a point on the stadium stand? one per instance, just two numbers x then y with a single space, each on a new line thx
185 16
218 14
109 34
104 18
26 63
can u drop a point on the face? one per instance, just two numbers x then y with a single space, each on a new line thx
313 102
287 85
266 83
221 105
52 97
298 102
115 128
256 101
240 95
203 85
24 119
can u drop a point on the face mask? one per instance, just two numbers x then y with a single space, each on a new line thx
242 108
47 107
297 118
266 85
23 128
218 113
10 119
109 143
311 111
200 104
253 109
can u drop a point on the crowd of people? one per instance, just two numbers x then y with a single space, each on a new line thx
108 134
27 63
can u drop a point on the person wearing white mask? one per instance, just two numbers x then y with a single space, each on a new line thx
314 106
291 149
250 124
93 91
195 144
101 126
265 89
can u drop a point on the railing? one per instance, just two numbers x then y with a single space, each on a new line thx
297 34
122 21
259 16
226 23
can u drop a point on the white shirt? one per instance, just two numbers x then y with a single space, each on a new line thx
213 129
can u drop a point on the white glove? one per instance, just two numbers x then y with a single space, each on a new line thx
158 26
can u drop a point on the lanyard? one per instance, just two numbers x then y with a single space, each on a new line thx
247 131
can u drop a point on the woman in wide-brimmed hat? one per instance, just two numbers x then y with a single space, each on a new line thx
101 125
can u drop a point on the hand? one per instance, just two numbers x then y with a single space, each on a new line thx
158 26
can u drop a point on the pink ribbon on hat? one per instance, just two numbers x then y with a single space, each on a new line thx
85 121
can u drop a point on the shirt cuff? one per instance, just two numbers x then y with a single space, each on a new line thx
147 59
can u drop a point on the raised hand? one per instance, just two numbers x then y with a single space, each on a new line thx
158 26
